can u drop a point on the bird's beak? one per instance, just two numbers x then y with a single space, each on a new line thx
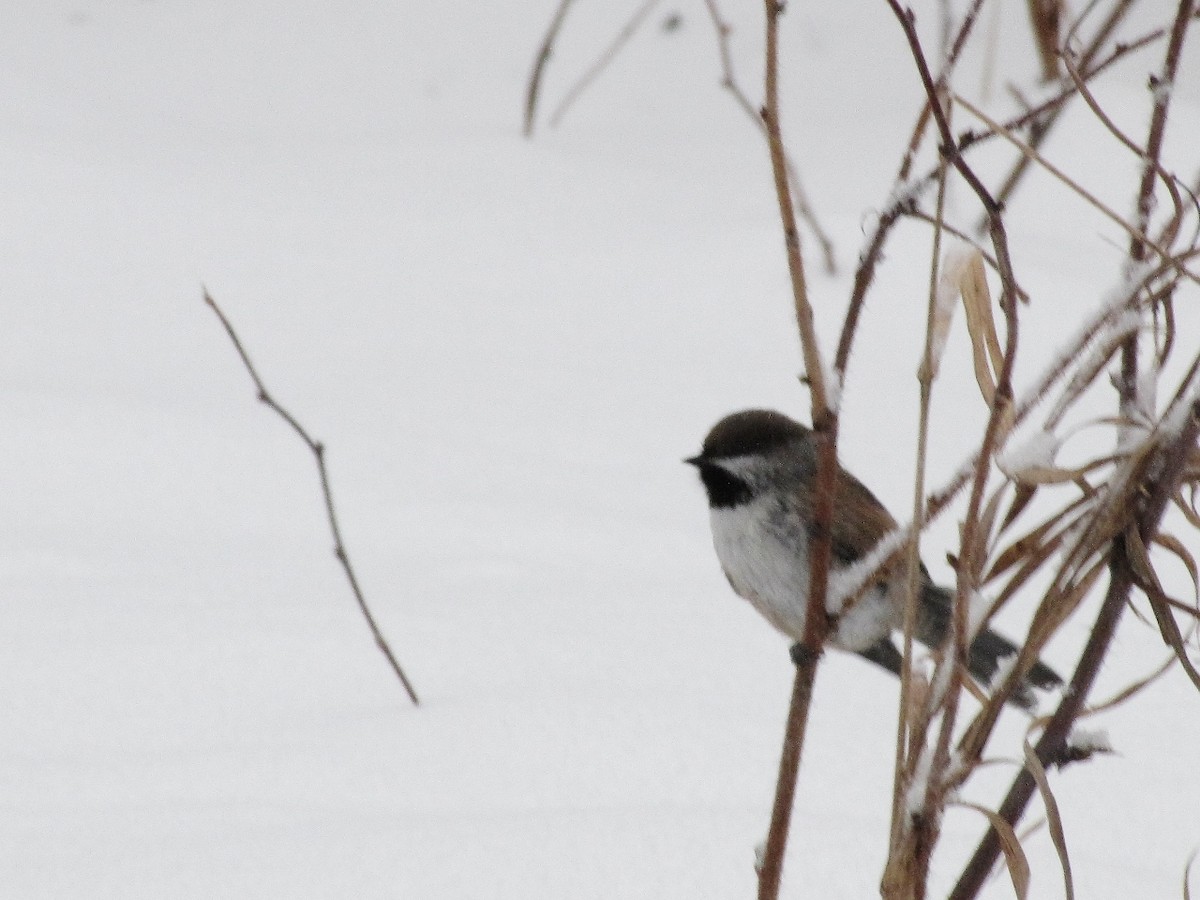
695 460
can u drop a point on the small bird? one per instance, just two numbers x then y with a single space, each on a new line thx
759 470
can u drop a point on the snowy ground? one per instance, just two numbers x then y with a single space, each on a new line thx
508 346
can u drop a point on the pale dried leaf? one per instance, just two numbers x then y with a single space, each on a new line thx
1147 580
1053 816
985 345
1175 546
1014 853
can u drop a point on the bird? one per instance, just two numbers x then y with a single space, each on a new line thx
759 470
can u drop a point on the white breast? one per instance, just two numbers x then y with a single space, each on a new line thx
762 565
764 552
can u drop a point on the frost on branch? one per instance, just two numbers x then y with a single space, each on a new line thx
1084 743
1032 457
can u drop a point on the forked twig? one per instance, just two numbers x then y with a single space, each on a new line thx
1041 126
1137 235
729 81
318 451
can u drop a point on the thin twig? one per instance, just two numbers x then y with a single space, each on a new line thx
729 81
533 90
906 199
1138 235
926 374
318 451
1164 88
1041 127
602 61
813 366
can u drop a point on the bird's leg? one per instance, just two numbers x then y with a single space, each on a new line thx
802 655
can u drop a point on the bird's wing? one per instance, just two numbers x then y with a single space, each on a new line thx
860 520
863 520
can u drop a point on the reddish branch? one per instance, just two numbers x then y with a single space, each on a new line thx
824 418
318 451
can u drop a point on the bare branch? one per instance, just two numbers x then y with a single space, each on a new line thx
1042 125
825 421
770 870
729 81
318 451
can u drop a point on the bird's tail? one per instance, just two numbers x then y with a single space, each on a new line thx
986 653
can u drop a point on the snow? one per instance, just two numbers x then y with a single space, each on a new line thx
945 301
1088 740
977 612
848 581
1035 452
506 346
918 787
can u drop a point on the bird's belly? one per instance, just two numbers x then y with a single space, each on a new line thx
768 565
763 567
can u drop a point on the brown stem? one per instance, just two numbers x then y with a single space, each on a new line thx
824 417
770 872
318 451
869 260
791 235
1164 85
